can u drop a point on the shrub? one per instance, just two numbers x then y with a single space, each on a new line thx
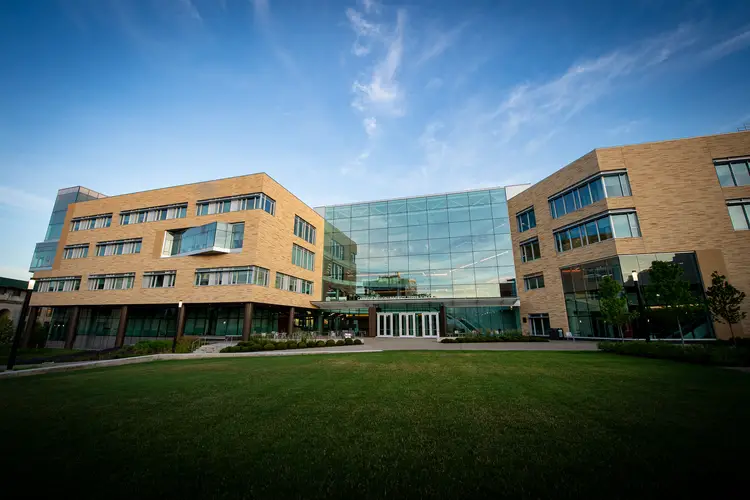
330 343
704 354
151 347
320 343
281 345
448 341
269 347
339 342
292 344
312 343
255 348
358 342
348 341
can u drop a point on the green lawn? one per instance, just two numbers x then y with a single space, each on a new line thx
396 424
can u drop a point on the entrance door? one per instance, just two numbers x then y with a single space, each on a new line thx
407 325
385 325
430 325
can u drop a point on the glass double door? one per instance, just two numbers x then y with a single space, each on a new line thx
408 325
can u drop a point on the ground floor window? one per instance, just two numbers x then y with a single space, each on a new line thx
539 324
151 322
98 321
214 320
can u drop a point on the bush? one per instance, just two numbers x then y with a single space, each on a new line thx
339 342
269 347
281 345
320 343
312 343
330 343
151 347
448 341
256 348
508 336
348 341
7 330
702 354
358 342
292 344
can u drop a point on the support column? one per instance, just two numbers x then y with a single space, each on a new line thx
372 321
290 326
30 326
320 323
443 322
181 312
120 339
70 336
247 324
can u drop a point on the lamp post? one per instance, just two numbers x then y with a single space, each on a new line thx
634 274
20 326
174 339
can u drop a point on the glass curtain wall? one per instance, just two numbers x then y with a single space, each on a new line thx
150 321
581 289
444 246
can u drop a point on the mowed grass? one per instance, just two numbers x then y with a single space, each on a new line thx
395 424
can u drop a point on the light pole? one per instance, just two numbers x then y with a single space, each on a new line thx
634 274
20 326
174 339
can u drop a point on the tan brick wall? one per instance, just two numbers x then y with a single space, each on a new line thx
267 243
681 208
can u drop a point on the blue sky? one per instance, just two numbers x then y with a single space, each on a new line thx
346 101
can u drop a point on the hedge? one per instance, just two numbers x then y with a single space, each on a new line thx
717 354
503 337
261 344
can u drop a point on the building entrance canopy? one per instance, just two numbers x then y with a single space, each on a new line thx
360 304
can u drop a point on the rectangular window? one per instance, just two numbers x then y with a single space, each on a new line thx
292 284
739 212
76 251
526 220
304 229
617 225
253 201
590 192
67 284
337 250
303 257
612 185
575 237
159 279
530 250
242 275
118 247
533 282
91 222
163 212
121 281
733 173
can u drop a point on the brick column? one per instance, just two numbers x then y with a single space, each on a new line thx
290 326
120 339
443 322
30 325
372 321
247 324
70 337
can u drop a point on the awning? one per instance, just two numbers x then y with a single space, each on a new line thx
359 304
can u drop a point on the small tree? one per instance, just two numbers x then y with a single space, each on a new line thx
6 330
613 304
669 289
724 302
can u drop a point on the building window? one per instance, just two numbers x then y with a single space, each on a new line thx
254 201
123 281
246 275
739 212
92 222
588 192
303 257
304 229
337 271
215 237
164 212
733 173
539 323
526 220
616 225
530 250
337 250
292 284
118 247
533 282
159 279
67 284
76 251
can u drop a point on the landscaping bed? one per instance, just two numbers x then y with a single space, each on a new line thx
502 337
261 344
718 353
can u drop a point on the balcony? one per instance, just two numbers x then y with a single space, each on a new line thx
210 239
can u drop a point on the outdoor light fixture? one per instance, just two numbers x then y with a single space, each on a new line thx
635 275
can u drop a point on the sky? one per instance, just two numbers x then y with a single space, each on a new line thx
345 101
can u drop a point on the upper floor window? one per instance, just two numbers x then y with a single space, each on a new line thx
530 250
245 275
211 238
337 250
337 271
303 257
304 229
588 192
159 279
164 212
739 212
91 222
76 251
118 247
121 281
292 284
733 173
533 282
67 284
526 220
600 228
254 201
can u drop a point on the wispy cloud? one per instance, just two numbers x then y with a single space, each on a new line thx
434 83
190 9
371 126
726 47
261 11
439 43
625 128
18 198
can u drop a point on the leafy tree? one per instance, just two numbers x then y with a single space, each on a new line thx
724 302
6 330
670 290
613 304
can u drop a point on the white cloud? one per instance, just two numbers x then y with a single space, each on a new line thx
723 49
370 6
19 198
434 83
439 43
371 126
261 10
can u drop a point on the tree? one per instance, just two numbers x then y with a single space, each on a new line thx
613 304
669 289
6 330
724 302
